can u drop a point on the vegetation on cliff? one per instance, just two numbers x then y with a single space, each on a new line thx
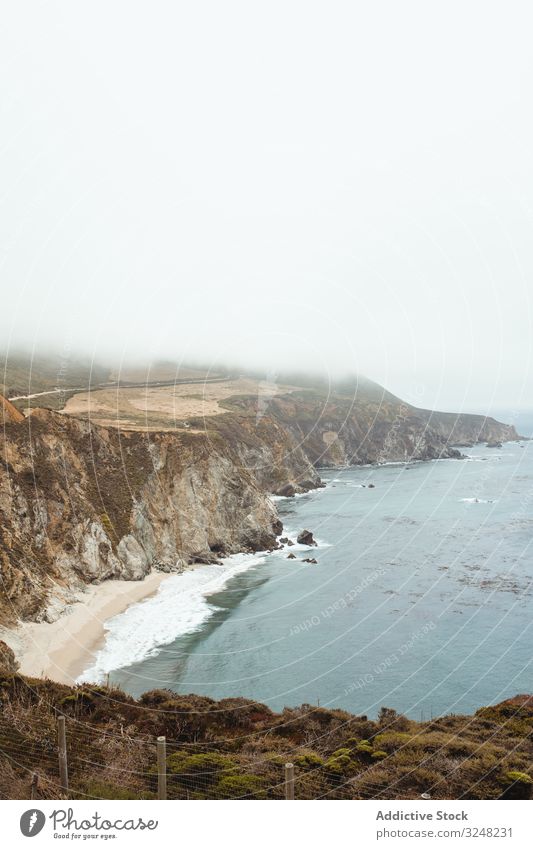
237 749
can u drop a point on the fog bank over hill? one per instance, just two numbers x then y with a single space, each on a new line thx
337 196
25 371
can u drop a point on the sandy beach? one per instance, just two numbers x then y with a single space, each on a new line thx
61 650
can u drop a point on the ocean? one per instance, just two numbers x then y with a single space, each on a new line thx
421 599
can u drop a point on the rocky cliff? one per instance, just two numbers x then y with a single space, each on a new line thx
81 503
342 429
465 429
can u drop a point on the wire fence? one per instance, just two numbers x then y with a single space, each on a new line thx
62 758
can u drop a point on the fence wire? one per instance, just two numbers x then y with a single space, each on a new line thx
107 765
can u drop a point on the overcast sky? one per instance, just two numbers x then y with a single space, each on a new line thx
344 186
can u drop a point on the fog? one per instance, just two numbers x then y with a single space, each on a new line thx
333 186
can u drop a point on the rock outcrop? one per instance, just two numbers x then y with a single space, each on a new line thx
306 537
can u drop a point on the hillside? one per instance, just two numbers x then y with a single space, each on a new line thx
22 373
237 749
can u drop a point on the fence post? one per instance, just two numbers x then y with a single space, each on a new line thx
161 767
289 781
62 749
34 789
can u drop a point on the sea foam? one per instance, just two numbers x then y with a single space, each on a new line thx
181 606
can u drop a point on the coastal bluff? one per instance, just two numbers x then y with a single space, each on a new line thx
81 503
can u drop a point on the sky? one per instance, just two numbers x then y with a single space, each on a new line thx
338 186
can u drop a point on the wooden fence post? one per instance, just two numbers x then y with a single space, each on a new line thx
34 789
161 767
62 750
289 781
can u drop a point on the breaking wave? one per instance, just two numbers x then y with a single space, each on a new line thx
181 606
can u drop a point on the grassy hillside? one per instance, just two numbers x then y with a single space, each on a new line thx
235 748
25 374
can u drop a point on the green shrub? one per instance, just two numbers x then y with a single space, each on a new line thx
107 525
208 765
342 752
514 776
308 760
391 740
379 754
334 769
339 763
240 786
78 700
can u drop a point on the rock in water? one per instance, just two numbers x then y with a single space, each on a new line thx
291 556
306 538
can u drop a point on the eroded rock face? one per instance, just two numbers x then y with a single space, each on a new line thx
96 558
81 504
337 431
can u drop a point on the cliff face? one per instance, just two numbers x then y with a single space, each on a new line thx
341 430
81 503
465 429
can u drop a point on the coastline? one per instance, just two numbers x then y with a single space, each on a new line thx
63 649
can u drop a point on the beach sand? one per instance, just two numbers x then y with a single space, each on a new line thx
62 650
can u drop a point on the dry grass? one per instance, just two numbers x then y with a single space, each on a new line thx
164 408
237 748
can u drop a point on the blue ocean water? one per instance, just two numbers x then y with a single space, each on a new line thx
421 600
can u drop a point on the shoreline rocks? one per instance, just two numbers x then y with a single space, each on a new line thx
306 537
